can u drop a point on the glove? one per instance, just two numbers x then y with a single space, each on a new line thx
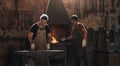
48 46
63 39
83 43
32 46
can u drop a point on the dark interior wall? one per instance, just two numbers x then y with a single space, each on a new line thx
38 6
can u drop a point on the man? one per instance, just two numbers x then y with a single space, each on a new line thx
38 37
79 38
39 33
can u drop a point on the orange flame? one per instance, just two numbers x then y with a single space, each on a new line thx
54 40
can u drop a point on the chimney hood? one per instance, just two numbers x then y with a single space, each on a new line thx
57 13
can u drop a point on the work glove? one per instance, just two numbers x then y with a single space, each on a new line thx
63 39
48 46
32 46
84 43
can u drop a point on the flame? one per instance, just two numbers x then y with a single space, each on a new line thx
54 40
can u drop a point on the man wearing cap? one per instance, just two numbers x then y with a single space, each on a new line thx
38 37
79 38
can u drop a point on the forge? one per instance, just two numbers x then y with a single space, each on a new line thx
58 19
60 27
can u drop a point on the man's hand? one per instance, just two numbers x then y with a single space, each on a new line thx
63 39
48 46
84 43
32 46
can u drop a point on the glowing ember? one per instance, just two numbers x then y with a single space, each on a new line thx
54 40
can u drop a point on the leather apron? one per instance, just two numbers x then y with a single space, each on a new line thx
79 52
77 38
40 44
77 46
40 40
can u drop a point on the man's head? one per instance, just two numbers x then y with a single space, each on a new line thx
74 19
44 18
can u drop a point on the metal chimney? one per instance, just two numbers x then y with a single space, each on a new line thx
57 13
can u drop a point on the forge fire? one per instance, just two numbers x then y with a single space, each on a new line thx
58 32
54 40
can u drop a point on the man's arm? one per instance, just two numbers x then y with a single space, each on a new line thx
84 41
30 37
70 36
82 29
48 31
49 35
